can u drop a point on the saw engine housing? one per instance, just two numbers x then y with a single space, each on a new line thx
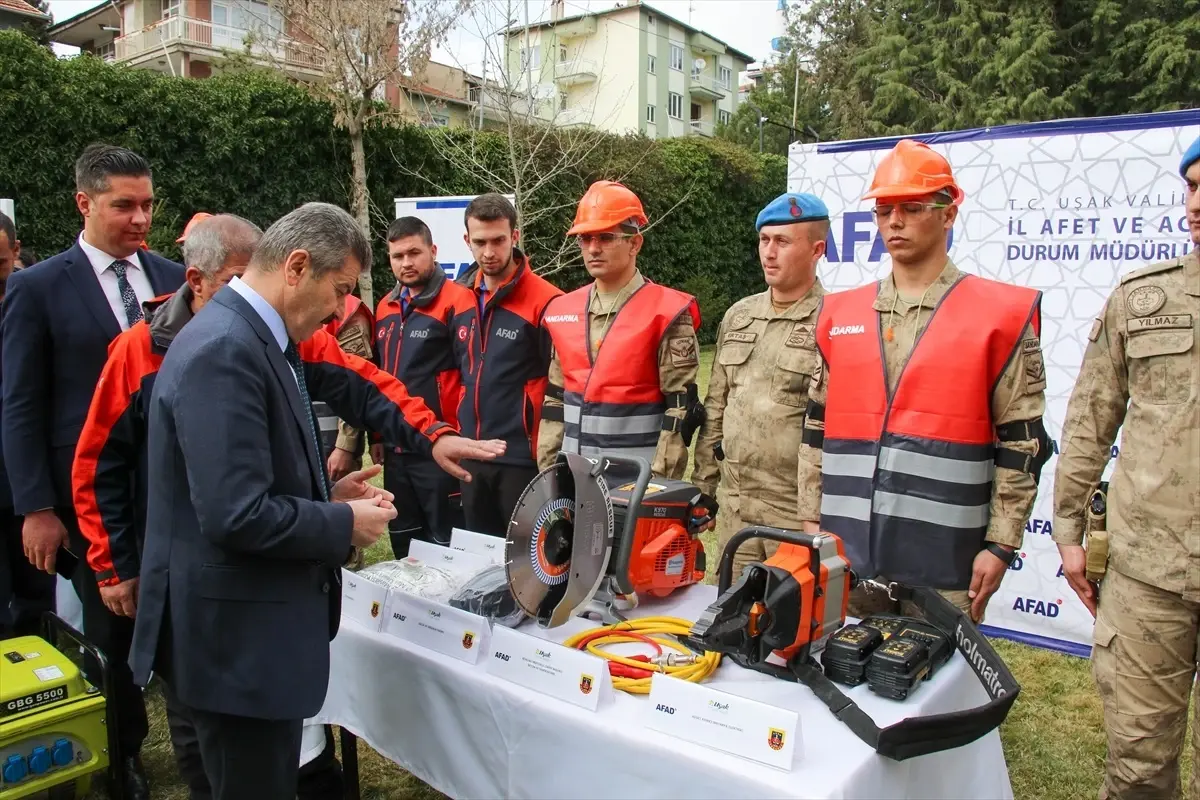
601 526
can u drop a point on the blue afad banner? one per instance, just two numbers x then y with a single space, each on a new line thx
1066 207
444 216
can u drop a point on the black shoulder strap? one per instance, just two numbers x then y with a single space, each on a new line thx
918 736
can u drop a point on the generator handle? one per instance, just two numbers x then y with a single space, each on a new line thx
781 535
53 624
625 542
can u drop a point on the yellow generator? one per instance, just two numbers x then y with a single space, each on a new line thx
54 731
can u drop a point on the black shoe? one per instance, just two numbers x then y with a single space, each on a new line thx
133 777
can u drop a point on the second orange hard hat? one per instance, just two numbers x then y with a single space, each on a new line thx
607 204
913 169
193 222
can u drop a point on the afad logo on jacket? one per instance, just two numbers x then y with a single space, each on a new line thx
1040 608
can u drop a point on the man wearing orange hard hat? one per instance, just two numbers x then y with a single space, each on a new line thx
623 371
923 440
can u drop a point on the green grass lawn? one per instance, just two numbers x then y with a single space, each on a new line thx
1053 738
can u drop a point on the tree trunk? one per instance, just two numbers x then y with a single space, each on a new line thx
360 199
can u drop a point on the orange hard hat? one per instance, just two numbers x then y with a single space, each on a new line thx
193 222
607 204
913 169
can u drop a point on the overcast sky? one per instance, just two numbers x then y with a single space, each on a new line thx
748 25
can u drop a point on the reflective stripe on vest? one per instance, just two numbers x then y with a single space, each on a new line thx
615 405
327 424
907 479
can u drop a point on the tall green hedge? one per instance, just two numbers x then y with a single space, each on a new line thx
250 143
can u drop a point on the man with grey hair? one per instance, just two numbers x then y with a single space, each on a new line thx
240 584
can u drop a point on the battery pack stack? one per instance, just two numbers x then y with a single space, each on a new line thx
891 654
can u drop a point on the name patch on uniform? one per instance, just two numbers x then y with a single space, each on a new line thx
1031 346
1145 300
683 352
562 318
1159 323
741 336
844 330
801 335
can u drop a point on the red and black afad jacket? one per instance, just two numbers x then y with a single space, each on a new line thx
108 478
503 355
109 475
414 340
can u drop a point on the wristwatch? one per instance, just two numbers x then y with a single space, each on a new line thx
1002 553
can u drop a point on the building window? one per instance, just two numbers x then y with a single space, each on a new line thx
170 8
675 105
651 64
650 113
677 57
435 120
562 101
724 117
530 58
650 20
562 53
107 51
725 76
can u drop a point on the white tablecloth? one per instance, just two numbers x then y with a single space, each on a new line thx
470 735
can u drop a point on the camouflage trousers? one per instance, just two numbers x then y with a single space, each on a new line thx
1144 664
729 522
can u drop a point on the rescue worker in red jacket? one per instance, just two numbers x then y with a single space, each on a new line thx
503 352
625 358
923 440
415 342
343 445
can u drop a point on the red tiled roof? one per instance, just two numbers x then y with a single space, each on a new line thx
22 7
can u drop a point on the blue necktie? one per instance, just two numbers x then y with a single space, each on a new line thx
133 309
293 358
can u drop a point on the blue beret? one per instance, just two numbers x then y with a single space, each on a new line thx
791 207
1190 157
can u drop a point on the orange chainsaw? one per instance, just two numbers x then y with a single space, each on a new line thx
589 530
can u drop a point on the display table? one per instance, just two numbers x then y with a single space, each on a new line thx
471 735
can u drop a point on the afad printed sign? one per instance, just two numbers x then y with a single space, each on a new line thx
1065 207
444 216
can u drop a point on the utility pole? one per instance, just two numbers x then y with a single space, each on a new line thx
528 62
795 91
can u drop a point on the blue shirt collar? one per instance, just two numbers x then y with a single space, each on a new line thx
265 311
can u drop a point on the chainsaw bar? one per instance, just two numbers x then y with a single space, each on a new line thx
559 540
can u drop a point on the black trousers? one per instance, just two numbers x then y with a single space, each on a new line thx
428 502
319 779
114 636
489 499
249 759
25 591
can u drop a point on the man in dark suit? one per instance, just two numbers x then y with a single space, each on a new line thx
240 590
59 317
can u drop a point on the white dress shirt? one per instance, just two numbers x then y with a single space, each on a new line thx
267 314
135 274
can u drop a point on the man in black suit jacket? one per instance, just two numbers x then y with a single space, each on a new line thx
240 587
59 317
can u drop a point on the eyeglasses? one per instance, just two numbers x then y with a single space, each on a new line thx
884 210
605 239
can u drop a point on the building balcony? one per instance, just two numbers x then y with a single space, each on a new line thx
204 37
575 71
701 127
707 87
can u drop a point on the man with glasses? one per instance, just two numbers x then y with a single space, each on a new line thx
623 371
923 438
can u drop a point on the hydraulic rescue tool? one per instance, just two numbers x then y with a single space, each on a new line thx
587 531
56 732
790 605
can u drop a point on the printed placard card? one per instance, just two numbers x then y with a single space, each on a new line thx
491 547
460 561
576 676
450 631
746 728
363 601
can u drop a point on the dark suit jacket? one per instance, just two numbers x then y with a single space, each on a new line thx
56 329
240 591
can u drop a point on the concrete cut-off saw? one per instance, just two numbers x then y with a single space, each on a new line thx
587 532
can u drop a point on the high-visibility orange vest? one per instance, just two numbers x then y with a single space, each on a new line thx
907 479
616 404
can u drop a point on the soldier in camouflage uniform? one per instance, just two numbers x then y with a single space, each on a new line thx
1140 371
917 201
766 355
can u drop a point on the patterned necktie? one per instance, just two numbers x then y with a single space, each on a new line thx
293 358
133 309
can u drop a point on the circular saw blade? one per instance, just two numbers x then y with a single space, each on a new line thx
537 549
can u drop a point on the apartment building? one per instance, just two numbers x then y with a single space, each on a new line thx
628 69
18 13
188 38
